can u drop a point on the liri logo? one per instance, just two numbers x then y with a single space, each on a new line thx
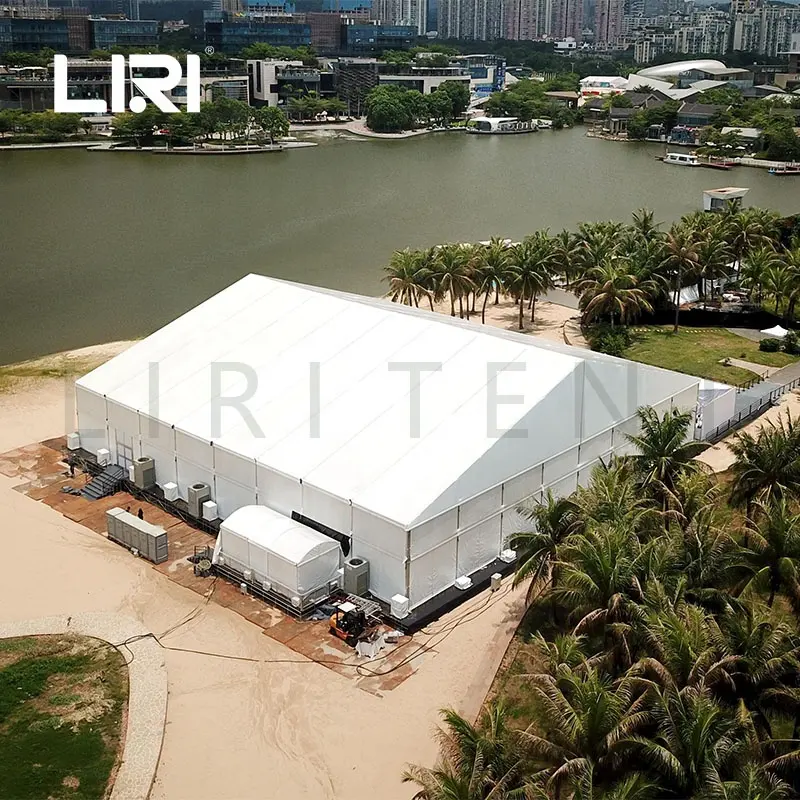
151 88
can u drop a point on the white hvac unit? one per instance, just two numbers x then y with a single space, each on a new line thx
508 556
170 491
73 441
103 457
265 585
497 581
131 473
248 575
210 512
399 608
296 602
356 576
243 588
464 582
197 495
220 561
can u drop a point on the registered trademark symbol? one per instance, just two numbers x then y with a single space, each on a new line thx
209 51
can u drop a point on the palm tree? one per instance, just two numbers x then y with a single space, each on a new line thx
713 258
752 782
681 259
644 223
491 263
452 274
751 272
483 762
406 275
767 464
586 721
611 291
693 741
529 273
745 231
777 280
664 454
552 521
772 558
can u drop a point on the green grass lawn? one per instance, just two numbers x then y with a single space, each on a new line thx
62 701
698 351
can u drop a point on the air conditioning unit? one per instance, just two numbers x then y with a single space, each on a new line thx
356 576
144 472
266 586
170 491
198 494
497 581
399 607
210 512
103 457
73 441
248 575
508 556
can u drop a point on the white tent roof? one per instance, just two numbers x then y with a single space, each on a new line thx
276 533
267 337
777 331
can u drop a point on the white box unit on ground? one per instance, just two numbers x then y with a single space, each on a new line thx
210 511
103 457
73 441
399 606
170 491
198 494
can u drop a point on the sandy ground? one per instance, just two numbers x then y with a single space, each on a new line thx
237 729
720 458
549 318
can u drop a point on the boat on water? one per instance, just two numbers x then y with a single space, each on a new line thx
682 159
793 170
501 125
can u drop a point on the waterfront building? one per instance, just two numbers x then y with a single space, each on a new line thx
272 81
698 115
423 79
487 72
354 79
601 85
424 505
108 33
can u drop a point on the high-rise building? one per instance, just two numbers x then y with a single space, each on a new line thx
471 19
402 12
608 22
567 19
528 19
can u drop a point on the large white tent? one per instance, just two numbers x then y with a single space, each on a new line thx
423 478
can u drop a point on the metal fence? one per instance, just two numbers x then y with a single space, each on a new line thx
753 410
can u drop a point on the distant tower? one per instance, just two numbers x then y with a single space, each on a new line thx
608 22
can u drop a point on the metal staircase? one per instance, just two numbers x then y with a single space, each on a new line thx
104 484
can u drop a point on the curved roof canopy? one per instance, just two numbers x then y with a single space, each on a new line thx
675 68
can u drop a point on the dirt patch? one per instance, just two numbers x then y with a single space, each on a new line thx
71 782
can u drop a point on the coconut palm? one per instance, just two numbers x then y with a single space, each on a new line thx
585 722
693 741
476 762
777 280
530 271
644 223
772 557
752 782
452 274
664 453
682 261
759 260
767 464
611 291
551 522
406 275
713 259
491 263
745 231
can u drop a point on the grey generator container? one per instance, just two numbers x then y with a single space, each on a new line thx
356 576
128 530
197 495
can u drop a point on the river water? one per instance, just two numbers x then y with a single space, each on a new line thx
100 246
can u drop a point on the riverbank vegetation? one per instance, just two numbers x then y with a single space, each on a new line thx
391 109
24 127
659 658
62 705
528 99
224 118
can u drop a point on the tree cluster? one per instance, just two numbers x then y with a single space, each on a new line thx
391 109
667 661
527 100
44 126
224 118
617 271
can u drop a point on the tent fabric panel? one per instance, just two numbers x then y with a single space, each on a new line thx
323 507
320 567
387 575
561 465
479 546
432 573
381 533
480 507
230 495
187 473
565 486
513 522
235 467
433 532
278 491
91 417
686 400
122 445
123 419
596 447
193 449
283 572
155 433
522 486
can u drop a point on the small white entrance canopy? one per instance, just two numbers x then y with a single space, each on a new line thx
282 555
776 332
716 199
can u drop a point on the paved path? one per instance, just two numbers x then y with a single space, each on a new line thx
147 693
760 369
749 333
